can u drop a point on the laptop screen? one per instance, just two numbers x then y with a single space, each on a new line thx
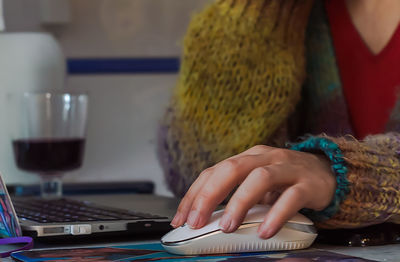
9 226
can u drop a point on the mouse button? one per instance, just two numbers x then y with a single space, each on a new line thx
256 214
179 234
301 227
185 232
301 219
215 216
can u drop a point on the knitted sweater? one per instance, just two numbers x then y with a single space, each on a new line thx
244 81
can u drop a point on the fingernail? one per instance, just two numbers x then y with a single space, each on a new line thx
265 231
225 222
193 219
177 220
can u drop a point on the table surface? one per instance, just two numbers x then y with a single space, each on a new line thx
167 206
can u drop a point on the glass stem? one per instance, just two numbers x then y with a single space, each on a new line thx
51 186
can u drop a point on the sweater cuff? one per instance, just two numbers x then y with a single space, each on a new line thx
338 166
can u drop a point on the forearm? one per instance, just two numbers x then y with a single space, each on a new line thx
373 182
240 78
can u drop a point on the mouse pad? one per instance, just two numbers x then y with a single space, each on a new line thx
155 252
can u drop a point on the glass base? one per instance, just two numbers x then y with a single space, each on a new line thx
51 187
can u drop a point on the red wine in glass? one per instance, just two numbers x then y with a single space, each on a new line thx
49 136
49 156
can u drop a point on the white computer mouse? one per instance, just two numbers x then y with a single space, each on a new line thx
297 233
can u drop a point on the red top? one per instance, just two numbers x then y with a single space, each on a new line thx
369 81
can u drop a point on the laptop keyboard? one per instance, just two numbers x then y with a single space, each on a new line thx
67 210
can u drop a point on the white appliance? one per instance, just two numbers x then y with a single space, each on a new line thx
2 25
29 62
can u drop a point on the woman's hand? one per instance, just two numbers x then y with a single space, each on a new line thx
286 179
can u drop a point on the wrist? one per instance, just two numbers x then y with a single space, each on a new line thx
329 177
334 156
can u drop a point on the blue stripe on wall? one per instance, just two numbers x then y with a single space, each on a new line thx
123 65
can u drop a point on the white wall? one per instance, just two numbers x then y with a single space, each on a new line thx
123 117
124 109
127 27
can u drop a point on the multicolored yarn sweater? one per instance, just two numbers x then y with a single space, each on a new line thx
244 81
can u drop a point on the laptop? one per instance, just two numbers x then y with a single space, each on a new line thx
66 218
73 217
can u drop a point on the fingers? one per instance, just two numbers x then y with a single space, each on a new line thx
186 203
251 191
226 176
289 203
215 183
232 167
241 163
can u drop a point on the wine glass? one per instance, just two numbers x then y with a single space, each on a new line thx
50 136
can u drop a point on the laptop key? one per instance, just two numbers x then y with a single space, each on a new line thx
81 219
63 210
101 217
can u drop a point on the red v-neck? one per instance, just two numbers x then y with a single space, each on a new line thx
393 41
369 81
